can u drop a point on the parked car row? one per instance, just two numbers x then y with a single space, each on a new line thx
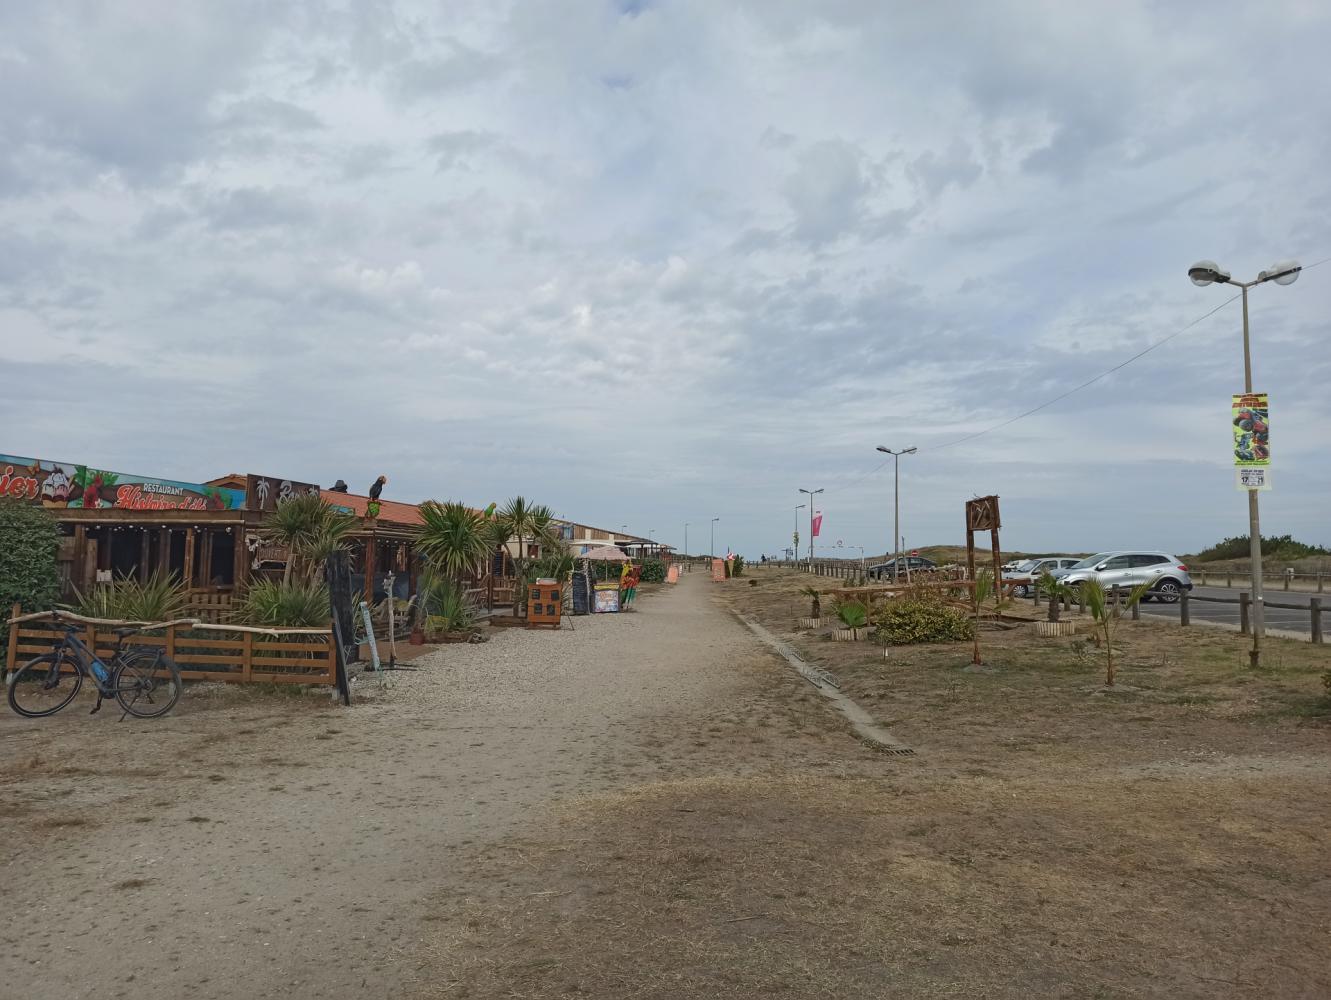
1126 569
909 564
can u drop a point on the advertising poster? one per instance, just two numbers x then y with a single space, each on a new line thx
1250 423
60 484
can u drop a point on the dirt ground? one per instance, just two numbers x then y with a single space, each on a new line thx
653 805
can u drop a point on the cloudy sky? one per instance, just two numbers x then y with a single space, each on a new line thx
657 262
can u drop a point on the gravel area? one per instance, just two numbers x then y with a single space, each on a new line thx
259 844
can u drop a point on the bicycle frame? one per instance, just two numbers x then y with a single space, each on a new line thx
87 661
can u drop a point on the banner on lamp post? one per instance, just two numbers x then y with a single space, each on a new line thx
817 525
1250 423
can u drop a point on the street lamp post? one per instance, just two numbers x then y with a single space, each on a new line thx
711 548
896 504
795 535
812 494
1206 272
686 546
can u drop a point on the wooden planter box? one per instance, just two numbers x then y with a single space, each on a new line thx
507 621
809 622
1049 629
847 634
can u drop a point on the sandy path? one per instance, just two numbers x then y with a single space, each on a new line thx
274 846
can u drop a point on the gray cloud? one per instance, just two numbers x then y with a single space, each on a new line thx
743 246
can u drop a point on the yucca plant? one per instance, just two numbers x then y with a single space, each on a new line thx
273 603
446 604
816 597
454 538
1106 619
160 598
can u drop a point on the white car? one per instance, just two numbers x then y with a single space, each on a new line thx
1028 572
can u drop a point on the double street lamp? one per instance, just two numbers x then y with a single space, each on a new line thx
1286 272
896 504
812 494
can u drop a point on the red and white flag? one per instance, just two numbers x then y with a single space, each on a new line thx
817 522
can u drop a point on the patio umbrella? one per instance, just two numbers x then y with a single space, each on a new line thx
607 553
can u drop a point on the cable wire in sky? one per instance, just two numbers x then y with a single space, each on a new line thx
1075 389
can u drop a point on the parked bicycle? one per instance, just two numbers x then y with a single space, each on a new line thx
143 681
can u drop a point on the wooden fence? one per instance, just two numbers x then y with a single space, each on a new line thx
209 605
207 653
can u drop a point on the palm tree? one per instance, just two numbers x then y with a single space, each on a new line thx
523 522
455 538
310 528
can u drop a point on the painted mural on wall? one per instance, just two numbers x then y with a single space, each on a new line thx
60 484
266 492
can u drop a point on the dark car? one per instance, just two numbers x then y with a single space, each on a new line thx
909 564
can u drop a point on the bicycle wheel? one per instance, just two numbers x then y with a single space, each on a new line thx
45 685
146 684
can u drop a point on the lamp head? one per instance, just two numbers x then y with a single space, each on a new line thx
884 449
1204 272
1282 272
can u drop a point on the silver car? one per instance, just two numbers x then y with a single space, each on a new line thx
1126 569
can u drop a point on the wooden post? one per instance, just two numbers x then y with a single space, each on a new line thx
370 562
1244 600
1315 606
1118 607
247 658
144 552
206 563
1319 581
1184 611
78 573
998 565
11 654
188 575
240 563
164 549
170 646
1137 611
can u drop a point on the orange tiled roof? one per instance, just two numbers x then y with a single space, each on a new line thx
389 510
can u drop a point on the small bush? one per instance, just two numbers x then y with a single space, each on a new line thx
739 566
447 606
29 541
653 571
906 621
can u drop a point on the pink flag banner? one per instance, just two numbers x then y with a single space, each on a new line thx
817 523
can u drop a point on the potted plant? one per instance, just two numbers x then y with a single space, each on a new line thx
815 618
1057 592
854 615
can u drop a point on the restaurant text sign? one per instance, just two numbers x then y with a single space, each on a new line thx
64 485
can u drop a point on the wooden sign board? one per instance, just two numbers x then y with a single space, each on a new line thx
266 492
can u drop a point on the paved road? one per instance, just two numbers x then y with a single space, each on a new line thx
1276 618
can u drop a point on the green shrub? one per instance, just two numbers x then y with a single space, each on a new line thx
160 599
653 571
906 621
29 542
274 604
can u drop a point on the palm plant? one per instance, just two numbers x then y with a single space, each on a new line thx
1055 590
853 614
455 538
523 523
311 529
984 589
1107 617
814 595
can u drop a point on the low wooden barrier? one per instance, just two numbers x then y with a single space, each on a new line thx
203 652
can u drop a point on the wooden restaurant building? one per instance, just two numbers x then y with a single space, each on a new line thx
115 524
